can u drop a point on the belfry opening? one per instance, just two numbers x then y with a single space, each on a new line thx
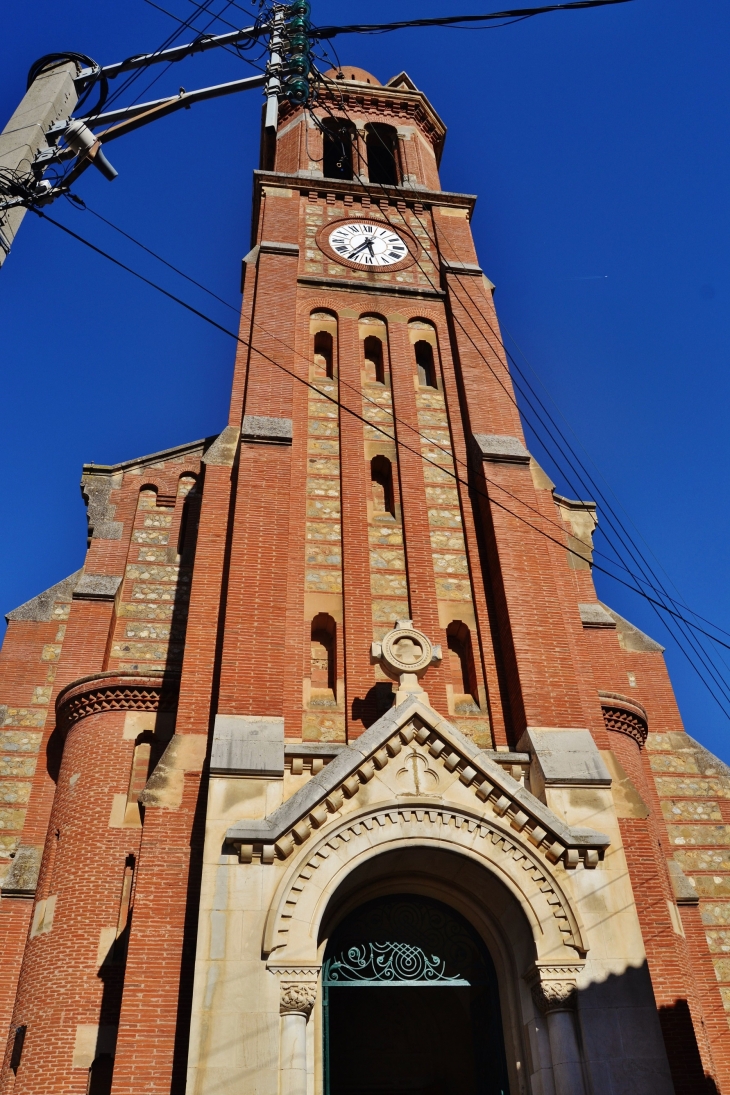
410 1004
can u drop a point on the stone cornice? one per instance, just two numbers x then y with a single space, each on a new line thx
341 188
152 458
351 286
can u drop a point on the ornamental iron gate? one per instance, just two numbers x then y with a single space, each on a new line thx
412 942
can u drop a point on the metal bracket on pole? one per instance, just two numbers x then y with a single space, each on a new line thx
273 90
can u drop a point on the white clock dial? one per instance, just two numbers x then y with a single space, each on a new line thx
368 244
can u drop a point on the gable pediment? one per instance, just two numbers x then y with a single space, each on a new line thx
418 756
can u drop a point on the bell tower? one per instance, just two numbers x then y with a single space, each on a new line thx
352 486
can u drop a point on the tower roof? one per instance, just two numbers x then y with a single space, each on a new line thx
350 73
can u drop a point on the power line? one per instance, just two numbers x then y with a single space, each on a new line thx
394 417
646 576
244 342
199 285
396 420
703 655
133 76
188 24
516 14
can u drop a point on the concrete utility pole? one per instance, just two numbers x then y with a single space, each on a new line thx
51 97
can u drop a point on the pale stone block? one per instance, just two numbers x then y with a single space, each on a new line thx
85 1045
107 938
118 810
248 744
137 722
250 925
217 938
185 753
247 888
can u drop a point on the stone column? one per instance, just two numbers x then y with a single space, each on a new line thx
556 1001
297 1001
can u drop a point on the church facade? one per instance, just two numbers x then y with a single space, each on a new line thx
328 773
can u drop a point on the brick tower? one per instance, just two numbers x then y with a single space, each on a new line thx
346 651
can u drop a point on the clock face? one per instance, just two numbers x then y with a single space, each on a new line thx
368 244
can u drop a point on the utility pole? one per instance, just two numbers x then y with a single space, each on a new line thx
30 142
50 98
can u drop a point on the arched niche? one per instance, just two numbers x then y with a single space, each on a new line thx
323 336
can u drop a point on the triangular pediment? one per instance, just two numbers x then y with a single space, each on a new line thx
439 747
402 80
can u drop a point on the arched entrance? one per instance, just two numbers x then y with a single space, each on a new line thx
410 1003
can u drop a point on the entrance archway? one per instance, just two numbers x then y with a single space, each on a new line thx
410 1003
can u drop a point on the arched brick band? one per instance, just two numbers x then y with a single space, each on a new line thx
114 692
624 716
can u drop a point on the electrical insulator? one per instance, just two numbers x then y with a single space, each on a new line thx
298 49
299 64
297 90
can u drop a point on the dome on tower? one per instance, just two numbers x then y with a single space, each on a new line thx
348 72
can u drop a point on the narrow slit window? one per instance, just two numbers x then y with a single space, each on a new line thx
323 354
187 536
461 665
425 364
16 1055
381 475
323 670
374 361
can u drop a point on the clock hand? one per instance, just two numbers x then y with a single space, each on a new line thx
360 248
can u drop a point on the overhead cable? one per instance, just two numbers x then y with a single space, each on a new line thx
699 651
452 20
244 342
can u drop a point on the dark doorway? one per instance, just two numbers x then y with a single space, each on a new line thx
338 138
411 1005
382 148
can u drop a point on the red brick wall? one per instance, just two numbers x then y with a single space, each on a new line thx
63 983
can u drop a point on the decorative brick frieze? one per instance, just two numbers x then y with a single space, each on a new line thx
114 692
624 716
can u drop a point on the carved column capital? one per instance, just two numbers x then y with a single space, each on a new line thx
554 996
297 997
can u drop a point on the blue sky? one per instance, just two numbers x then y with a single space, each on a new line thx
597 142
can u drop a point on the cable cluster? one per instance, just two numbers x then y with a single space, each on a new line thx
297 45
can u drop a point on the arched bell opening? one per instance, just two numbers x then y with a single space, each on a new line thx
419 988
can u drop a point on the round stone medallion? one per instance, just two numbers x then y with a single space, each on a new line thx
406 650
